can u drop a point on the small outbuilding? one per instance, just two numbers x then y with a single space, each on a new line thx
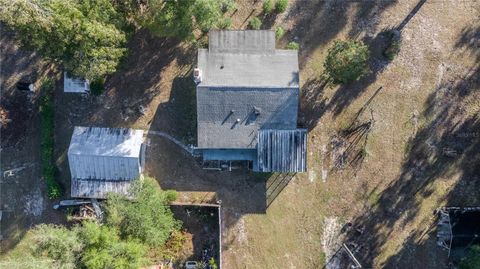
104 160
75 85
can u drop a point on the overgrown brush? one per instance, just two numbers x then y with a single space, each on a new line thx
47 118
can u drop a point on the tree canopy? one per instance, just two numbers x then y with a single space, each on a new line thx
136 231
148 218
347 61
181 18
87 37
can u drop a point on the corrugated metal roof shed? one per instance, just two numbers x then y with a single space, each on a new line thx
103 160
282 150
75 85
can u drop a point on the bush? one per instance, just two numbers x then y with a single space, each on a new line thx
293 45
268 6
347 61
393 47
97 86
47 121
225 23
279 32
149 218
281 6
255 23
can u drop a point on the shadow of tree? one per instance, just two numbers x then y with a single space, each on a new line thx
318 22
447 147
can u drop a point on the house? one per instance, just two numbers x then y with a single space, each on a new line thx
104 160
75 85
247 102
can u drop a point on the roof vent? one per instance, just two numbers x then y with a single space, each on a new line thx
197 75
237 121
256 110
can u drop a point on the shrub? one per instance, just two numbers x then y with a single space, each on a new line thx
97 86
149 218
279 32
268 6
393 46
225 23
47 120
347 61
255 23
293 45
281 6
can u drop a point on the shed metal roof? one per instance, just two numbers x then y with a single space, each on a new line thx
98 189
96 141
282 150
103 160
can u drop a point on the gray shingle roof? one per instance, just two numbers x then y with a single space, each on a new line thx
217 126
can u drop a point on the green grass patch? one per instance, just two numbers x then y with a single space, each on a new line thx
322 258
373 198
47 123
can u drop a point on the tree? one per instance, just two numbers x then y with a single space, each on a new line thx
347 61
86 37
148 218
104 249
180 18
472 261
